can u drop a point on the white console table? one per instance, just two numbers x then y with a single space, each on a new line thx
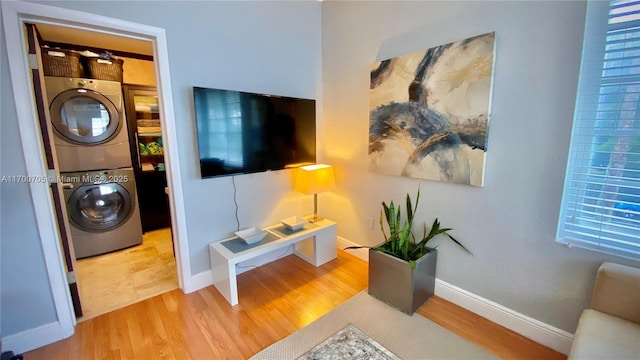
315 243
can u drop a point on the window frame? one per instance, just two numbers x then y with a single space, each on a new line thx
587 130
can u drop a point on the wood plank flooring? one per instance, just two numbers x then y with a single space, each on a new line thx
488 335
275 300
111 281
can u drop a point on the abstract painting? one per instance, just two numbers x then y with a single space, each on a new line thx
429 112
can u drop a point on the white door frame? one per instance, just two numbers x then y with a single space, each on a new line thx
15 13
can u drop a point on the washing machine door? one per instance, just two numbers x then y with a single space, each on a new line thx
84 116
100 207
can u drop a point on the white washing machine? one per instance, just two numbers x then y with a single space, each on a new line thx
89 124
103 211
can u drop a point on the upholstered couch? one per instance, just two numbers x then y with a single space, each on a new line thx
610 328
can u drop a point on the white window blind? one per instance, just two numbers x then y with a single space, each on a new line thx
223 128
601 200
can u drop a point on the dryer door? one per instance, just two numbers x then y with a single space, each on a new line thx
100 207
84 116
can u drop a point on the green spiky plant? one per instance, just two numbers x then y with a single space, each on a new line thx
401 242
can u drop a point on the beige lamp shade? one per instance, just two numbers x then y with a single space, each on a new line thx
313 179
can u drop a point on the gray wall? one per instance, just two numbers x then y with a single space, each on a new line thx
265 47
510 223
25 295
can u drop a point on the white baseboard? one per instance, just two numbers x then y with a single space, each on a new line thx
199 281
359 253
33 338
524 325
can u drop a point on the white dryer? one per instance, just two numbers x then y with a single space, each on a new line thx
89 124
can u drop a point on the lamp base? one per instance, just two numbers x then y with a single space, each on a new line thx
315 218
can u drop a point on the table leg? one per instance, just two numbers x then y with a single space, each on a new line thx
325 245
224 277
318 249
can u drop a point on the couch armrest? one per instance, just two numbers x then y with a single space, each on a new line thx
617 291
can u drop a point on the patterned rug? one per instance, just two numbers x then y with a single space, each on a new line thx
403 336
349 343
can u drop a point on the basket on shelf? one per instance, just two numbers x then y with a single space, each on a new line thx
102 69
63 63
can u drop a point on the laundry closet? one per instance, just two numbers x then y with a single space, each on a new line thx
107 137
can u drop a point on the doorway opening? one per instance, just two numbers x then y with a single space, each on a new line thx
108 144
133 259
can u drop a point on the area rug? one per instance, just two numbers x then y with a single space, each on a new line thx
349 343
407 337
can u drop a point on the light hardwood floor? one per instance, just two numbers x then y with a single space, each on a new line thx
112 281
275 300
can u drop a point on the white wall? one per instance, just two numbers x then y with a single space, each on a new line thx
510 223
265 47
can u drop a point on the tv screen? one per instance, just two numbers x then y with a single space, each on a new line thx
240 132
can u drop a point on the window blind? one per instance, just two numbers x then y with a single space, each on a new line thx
601 199
224 128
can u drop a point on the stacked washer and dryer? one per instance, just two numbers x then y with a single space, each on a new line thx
94 159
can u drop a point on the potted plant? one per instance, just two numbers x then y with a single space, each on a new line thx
402 270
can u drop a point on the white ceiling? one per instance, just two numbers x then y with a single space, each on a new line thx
61 34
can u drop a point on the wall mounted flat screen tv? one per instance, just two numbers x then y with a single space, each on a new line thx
240 132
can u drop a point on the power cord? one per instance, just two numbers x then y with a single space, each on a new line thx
235 201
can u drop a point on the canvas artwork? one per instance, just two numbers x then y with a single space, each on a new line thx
429 112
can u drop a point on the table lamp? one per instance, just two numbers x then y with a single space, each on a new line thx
314 179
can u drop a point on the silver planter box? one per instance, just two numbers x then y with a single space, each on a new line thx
394 282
